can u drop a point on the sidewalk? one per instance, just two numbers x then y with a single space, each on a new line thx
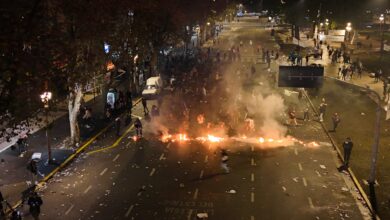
331 70
14 176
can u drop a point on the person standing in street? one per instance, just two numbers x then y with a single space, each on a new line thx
145 106
118 125
35 202
224 160
336 121
138 127
322 110
347 146
306 114
2 213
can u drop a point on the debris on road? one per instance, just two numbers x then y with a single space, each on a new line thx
284 189
202 215
232 191
322 166
345 189
295 179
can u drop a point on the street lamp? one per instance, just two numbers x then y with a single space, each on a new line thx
375 149
45 98
382 22
349 29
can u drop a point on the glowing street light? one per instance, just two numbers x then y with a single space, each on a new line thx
45 98
382 22
381 18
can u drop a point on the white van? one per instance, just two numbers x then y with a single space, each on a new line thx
153 87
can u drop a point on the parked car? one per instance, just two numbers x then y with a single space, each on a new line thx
153 87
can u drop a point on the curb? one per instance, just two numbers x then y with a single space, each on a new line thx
339 154
42 182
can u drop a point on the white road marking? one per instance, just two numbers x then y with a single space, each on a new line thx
300 166
162 156
310 202
152 172
129 211
252 197
69 209
253 162
201 174
206 158
103 172
115 158
304 181
296 151
87 189
196 194
252 177
189 214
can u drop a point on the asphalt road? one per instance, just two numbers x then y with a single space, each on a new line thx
149 179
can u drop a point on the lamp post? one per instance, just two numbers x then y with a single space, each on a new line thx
382 22
375 148
349 29
45 98
327 25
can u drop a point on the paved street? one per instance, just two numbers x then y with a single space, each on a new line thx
292 177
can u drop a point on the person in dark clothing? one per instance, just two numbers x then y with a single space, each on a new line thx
118 125
35 202
145 106
347 146
129 100
335 120
138 127
2 214
16 215
155 111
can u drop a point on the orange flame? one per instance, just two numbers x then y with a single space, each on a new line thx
213 138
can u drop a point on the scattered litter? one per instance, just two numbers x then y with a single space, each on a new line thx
194 162
232 191
202 215
295 179
363 113
277 164
317 217
181 185
284 189
323 166
323 186
176 179
345 189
